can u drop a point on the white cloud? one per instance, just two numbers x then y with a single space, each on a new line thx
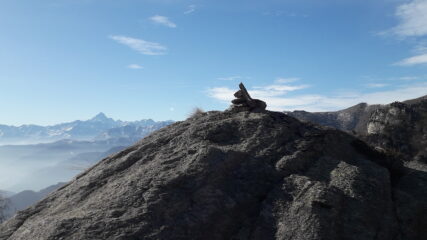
287 80
135 66
190 9
282 88
408 78
140 45
317 102
231 78
162 20
413 19
419 59
221 93
376 85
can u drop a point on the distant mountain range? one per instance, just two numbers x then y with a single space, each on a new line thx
33 157
98 127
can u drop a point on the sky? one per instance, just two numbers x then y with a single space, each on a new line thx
62 60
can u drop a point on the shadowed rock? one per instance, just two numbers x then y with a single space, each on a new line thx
400 129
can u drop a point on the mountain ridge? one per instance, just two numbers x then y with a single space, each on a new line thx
399 126
76 130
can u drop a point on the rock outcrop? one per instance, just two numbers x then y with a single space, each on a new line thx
399 128
352 119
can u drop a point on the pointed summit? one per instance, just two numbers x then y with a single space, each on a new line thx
100 117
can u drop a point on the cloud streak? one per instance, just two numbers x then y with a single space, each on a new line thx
413 19
287 80
231 78
162 20
376 85
190 9
415 60
135 66
140 45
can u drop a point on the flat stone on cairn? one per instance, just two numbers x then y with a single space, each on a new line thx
244 102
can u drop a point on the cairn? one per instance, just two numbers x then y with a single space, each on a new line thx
244 102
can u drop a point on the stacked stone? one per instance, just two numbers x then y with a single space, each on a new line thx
244 102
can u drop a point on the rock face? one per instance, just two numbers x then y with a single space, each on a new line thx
399 128
231 175
354 118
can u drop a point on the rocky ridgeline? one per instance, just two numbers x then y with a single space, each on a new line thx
399 127
245 173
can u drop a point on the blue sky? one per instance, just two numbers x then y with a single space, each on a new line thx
62 60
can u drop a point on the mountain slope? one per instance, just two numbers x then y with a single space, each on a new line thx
229 175
400 127
351 119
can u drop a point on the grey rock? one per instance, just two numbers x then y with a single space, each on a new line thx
398 129
230 175
354 118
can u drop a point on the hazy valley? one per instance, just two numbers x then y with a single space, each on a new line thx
60 152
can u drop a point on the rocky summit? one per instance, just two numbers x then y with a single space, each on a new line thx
237 174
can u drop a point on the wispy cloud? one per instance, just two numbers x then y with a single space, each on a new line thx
162 20
231 78
281 88
413 19
135 66
221 93
376 85
190 9
140 45
419 59
287 80
408 78
318 102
